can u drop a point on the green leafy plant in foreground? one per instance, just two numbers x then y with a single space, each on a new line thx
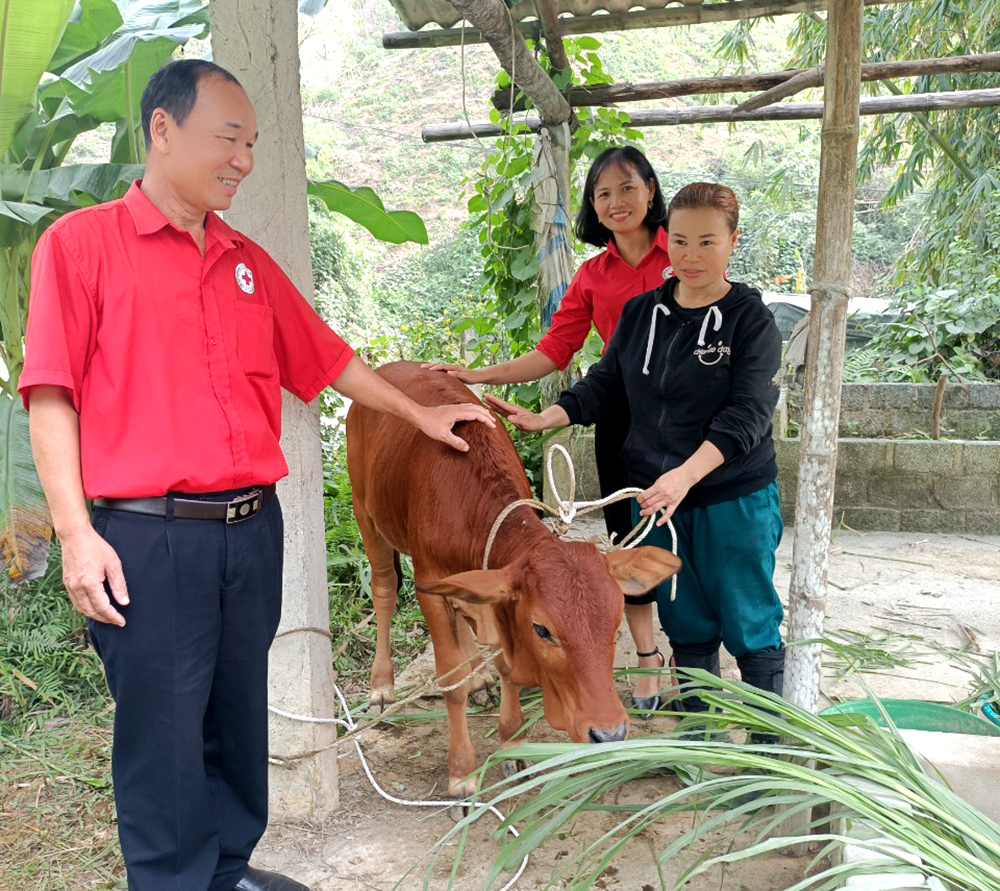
45 660
844 768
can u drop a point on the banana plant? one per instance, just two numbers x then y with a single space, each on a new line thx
67 67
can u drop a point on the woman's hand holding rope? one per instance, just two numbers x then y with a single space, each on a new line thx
665 494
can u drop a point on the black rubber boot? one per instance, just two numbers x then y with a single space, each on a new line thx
764 670
704 656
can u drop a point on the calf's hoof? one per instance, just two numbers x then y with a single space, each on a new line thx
380 697
511 767
461 788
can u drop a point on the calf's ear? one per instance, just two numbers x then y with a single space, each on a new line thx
638 570
478 586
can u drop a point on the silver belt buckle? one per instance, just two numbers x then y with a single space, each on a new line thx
244 507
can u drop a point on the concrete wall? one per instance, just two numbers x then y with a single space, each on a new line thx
895 486
258 42
877 411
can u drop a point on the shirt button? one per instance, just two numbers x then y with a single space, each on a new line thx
214 341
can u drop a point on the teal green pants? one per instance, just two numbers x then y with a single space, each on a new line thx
725 587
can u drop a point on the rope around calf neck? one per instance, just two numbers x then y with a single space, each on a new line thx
566 510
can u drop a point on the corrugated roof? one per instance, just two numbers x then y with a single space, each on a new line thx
417 13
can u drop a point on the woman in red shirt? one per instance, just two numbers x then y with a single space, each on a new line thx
622 211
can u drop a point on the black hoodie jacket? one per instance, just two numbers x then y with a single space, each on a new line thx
690 375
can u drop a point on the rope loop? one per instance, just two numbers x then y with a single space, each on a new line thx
566 511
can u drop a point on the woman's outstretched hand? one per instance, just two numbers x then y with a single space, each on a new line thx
526 420
465 375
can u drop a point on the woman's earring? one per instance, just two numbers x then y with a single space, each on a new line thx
649 204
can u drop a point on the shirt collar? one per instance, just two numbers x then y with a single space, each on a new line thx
148 218
611 251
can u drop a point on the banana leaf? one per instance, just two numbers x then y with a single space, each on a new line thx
92 22
16 220
72 185
25 526
30 34
365 207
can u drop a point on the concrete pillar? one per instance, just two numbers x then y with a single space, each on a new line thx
258 42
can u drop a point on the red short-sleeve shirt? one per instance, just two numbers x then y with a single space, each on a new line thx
597 294
175 361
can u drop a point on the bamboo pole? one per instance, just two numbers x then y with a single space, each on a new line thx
612 94
722 114
825 351
625 21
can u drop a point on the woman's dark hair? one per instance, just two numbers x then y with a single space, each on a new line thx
174 88
588 227
696 196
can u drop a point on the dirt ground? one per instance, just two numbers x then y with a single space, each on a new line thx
942 590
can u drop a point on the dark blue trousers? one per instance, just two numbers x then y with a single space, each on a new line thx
188 674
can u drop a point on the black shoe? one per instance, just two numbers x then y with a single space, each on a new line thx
704 656
262 880
647 705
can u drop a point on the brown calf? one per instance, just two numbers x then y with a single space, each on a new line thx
551 607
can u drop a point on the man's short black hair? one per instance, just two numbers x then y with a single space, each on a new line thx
174 88
588 228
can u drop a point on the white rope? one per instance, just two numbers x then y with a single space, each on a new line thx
566 510
349 723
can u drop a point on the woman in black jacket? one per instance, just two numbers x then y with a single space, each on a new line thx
697 358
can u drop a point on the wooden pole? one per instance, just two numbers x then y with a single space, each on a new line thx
493 20
612 94
553 34
626 21
825 351
804 80
722 114
552 222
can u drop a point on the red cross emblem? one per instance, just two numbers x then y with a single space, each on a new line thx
244 278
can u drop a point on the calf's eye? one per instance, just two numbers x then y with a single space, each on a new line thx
542 631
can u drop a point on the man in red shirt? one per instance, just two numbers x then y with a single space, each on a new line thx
158 342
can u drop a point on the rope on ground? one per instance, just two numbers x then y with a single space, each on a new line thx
354 730
566 510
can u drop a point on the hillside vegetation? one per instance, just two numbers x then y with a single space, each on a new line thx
364 107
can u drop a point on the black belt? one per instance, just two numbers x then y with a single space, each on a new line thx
241 508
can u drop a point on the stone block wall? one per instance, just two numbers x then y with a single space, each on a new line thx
887 485
874 411
907 485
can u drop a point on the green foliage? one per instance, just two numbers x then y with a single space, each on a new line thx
500 209
343 276
25 530
953 155
952 327
348 570
365 207
737 796
44 655
425 283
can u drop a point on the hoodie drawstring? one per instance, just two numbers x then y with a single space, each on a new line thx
652 333
712 311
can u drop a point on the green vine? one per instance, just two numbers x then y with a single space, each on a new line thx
500 210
